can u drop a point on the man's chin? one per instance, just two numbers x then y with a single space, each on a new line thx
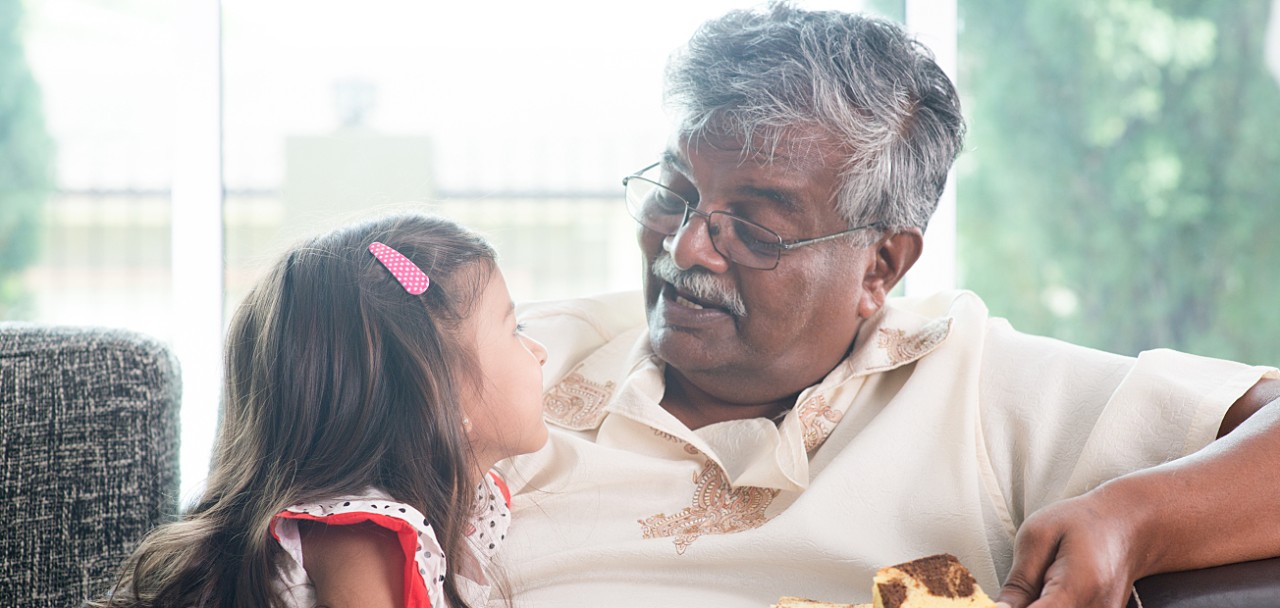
688 348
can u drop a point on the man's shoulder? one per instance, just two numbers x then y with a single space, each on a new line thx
572 329
606 314
944 303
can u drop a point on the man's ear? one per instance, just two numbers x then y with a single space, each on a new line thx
890 259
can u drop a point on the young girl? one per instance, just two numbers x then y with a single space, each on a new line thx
373 377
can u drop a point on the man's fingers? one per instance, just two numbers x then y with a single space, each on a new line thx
1018 592
1033 552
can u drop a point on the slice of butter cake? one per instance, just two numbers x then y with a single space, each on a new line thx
937 581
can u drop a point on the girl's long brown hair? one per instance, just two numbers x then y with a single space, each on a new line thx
336 379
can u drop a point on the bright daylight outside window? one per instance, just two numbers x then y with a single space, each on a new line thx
85 119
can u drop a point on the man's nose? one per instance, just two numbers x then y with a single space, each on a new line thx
691 245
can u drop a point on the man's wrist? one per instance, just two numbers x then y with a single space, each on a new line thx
1138 507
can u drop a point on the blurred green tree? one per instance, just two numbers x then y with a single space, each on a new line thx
1120 181
26 163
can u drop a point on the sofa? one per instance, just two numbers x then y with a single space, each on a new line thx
1245 585
89 458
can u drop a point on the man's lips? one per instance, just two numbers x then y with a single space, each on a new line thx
695 288
684 300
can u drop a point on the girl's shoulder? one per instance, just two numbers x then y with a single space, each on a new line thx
413 532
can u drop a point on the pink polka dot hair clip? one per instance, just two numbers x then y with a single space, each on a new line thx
410 276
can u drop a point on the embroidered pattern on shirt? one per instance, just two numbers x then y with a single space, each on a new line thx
577 403
688 447
718 508
902 347
818 419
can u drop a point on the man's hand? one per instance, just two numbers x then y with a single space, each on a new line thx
1072 553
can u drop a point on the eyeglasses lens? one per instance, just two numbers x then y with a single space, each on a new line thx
663 211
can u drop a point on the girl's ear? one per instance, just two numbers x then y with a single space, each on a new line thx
892 256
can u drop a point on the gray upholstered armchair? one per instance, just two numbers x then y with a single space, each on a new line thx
89 458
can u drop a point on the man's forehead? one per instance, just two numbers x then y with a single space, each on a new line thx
798 148
796 173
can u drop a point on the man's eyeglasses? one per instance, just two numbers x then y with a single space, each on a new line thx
739 240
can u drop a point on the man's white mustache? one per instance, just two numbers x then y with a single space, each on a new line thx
700 283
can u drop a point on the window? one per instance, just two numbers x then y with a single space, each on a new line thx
1118 188
88 139
176 147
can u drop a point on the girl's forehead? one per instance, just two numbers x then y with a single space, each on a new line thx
496 298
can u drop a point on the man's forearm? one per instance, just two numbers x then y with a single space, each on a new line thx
1216 506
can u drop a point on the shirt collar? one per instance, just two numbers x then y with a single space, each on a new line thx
624 378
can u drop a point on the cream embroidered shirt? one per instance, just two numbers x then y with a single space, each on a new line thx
941 431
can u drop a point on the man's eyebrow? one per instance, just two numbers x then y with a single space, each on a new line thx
788 200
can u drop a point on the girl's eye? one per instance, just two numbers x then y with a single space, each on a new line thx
519 328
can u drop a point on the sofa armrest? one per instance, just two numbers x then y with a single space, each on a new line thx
88 456
1244 585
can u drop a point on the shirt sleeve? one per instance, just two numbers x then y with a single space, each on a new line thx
424 560
1061 419
1169 405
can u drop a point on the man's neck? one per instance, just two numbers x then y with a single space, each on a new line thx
697 408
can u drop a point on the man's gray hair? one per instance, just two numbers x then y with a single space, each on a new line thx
757 74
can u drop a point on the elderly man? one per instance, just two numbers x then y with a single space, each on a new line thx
780 426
